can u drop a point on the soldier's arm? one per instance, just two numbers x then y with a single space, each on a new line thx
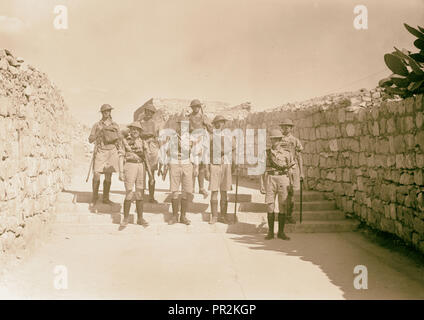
93 134
299 158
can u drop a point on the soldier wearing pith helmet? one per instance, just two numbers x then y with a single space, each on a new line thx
291 143
220 169
198 122
150 134
278 181
108 146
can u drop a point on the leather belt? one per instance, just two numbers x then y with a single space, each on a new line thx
277 173
134 161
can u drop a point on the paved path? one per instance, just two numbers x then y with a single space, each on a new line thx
177 265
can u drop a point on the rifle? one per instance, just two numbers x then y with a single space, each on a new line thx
235 201
91 163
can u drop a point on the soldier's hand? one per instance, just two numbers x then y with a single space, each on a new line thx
121 176
262 190
195 171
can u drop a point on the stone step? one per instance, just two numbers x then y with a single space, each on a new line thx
204 227
161 196
194 207
248 217
307 206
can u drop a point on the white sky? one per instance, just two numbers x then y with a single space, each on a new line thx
265 51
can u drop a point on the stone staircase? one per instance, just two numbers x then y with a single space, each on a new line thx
74 215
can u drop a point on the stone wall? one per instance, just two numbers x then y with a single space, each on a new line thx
366 153
35 151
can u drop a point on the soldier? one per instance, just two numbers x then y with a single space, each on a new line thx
278 181
291 143
220 170
199 121
107 138
181 167
133 172
150 135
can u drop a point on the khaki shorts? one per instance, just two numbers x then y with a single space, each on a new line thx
181 174
106 161
134 175
221 178
277 185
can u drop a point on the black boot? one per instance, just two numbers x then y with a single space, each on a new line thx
106 189
281 223
152 192
175 209
183 219
201 179
223 213
270 234
214 212
95 196
127 206
140 220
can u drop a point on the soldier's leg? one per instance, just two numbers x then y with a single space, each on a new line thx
139 195
175 177
270 218
223 206
106 188
290 205
283 204
270 202
95 186
187 189
214 207
201 180
152 184
130 178
184 206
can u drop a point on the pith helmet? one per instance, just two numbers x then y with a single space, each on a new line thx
150 107
135 125
105 107
287 122
195 103
219 118
275 133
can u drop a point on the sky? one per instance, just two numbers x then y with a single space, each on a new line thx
267 52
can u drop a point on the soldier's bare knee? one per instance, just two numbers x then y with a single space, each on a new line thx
270 207
214 195
139 194
224 196
129 195
175 195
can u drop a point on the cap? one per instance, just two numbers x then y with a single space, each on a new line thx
287 122
219 118
135 125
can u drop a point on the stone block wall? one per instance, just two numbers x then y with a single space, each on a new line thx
365 153
35 151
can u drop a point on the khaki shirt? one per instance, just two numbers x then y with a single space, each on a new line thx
96 135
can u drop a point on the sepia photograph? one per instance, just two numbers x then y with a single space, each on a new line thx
212 155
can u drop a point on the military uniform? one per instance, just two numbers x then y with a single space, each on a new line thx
150 134
278 181
220 171
294 146
107 138
134 174
181 163
197 122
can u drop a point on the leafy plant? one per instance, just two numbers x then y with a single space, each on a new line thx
407 67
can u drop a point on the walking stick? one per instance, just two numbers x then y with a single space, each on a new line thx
301 198
235 201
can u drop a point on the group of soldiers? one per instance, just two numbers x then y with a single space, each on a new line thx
135 153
